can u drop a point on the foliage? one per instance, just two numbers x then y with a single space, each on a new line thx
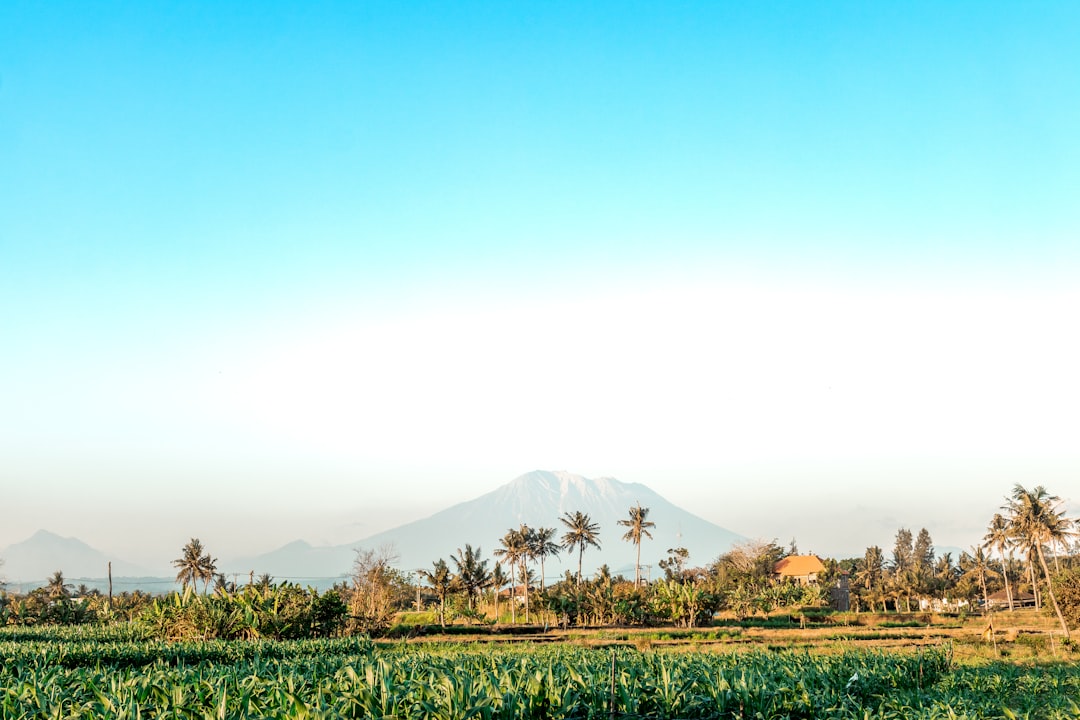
581 532
195 564
637 530
472 573
102 675
377 592
1068 594
279 612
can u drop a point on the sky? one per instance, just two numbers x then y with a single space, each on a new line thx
310 270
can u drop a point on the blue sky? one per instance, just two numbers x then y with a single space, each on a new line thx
406 252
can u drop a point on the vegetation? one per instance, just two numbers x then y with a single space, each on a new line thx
1031 533
1037 523
112 673
581 532
637 530
195 564
280 650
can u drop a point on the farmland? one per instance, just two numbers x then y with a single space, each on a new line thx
113 672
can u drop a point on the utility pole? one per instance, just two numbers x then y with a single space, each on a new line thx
110 585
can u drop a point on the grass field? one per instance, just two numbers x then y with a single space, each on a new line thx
851 671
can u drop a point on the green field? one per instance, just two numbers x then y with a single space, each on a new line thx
92 672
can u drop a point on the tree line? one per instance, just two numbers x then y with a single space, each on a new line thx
1028 536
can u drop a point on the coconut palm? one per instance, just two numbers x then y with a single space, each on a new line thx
472 572
977 564
541 546
57 588
498 580
515 553
638 529
581 532
1060 531
1034 515
195 564
945 576
439 579
871 575
997 538
263 583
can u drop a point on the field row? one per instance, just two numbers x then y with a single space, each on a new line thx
43 678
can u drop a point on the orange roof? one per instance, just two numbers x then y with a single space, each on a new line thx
799 565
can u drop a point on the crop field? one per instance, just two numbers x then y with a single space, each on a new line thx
112 673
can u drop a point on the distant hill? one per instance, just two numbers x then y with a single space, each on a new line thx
537 499
302 563
43 553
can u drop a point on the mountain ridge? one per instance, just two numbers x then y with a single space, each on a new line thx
31 559
538 499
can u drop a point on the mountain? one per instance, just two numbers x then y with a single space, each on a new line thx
537 499
43 553
302 562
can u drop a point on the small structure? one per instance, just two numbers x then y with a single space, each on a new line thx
802 569
1000 601
515 593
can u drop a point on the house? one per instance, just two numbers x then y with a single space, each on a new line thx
940 605
1000 601
517 592
803 569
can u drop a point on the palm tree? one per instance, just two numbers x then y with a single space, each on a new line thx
498 579
581 533
56 588
871 574
515 552
1060 531
639 528
472 572
1034 515
263 583
222 586
945 577
195 564
439 579
997 538
979 565
542 545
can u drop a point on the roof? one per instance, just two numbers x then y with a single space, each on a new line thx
799 565
1000 596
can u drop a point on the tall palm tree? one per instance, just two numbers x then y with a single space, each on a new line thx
1060 530
472 572
498 579
541 546
439 580
1034 514
195 564
515 552
997 538
871 574
581 532
979 565
638 529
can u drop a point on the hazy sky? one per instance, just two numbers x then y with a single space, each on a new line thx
279 270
